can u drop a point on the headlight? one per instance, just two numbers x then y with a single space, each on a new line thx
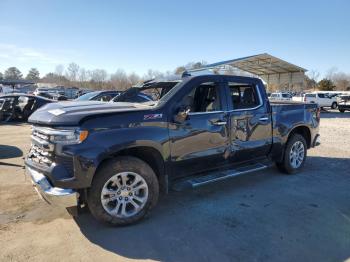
68 137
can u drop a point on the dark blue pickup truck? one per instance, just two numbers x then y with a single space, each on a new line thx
117 157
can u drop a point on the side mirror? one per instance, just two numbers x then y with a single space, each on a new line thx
182 115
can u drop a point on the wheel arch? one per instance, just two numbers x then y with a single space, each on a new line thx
152 156
303 131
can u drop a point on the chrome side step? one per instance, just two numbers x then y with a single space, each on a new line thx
217 176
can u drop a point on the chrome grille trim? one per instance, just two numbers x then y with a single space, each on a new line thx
41 151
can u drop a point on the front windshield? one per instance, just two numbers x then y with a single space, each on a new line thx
156 91
87 96
170 93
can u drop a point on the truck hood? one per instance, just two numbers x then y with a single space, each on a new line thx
71 113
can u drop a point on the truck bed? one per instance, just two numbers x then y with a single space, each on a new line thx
282 106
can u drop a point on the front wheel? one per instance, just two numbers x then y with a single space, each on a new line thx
294 155
341 110
123 191
334 105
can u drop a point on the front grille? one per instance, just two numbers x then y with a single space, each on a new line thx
40 156
41 151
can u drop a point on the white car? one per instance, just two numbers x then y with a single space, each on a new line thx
280 96
322 99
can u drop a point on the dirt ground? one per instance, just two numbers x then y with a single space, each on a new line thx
263 216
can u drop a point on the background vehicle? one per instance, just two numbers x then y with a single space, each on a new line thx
298 97
280 96
20 106
104 96
117 157
41 90
322 99
56 93
71 92
5 90
44 94
344 103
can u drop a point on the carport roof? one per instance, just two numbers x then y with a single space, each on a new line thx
262 64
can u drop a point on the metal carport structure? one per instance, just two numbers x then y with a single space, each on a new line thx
277 73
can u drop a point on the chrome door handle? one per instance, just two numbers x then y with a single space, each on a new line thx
219 123
263 118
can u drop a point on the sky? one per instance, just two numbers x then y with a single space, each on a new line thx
161 35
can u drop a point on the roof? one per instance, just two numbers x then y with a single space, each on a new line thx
262 64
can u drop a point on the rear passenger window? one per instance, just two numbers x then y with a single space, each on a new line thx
321 95
244 96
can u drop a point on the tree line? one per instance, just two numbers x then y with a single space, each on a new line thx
98 79
333 81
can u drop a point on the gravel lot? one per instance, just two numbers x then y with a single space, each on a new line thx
264 216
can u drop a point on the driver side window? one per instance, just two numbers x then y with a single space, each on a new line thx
204 98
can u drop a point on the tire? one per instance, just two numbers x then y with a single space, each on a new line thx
341 110
116 178
286 165
334 105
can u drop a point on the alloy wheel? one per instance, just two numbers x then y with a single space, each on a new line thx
297 154
124 194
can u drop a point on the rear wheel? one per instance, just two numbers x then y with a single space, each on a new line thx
341 110
334 105
294 155
123 191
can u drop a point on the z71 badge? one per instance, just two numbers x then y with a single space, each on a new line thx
152 116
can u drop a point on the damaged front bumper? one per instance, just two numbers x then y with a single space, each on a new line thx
53 195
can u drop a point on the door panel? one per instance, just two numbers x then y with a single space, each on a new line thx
250 121
251 134
200 143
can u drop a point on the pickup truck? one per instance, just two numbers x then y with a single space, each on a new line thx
116 158
279 96
322 99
